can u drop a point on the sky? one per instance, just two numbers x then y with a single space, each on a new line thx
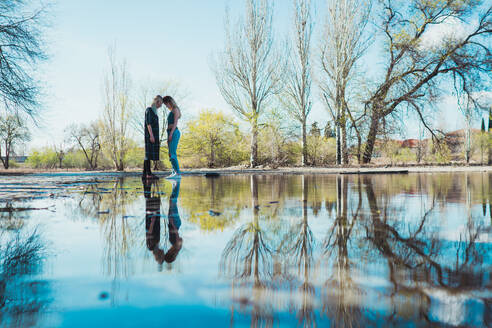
160 40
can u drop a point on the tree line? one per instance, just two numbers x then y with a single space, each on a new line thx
253 73
272 84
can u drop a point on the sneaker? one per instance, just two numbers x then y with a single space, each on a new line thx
173 175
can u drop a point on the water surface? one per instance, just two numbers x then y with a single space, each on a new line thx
250 250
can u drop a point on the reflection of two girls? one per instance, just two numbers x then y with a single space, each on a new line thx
153 223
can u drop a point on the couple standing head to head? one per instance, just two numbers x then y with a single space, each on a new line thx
152 144
167 100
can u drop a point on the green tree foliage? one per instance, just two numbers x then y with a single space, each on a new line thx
277 142
480 142
44 158
439 153
321 150
213 140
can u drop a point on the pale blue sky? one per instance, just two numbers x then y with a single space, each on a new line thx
160 39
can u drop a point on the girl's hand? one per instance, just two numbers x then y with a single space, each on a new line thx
152 139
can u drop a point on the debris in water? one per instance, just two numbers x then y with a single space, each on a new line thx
214 213
103 296
10 209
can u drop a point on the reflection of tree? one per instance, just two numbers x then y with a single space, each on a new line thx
341 293
21 301
120 233
10 219
226 195
420 263
248 261
297 251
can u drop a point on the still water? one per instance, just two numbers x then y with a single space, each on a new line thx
250 251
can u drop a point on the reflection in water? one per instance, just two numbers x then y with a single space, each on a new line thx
153 222
341 251
174 222
22 301
296 250
367 239
247 260
341 295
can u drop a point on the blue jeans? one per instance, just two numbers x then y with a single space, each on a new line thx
173 147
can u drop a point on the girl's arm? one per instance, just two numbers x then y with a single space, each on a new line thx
177 115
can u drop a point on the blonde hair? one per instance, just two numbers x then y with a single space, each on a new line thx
157 97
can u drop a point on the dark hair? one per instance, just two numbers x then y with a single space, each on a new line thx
168 100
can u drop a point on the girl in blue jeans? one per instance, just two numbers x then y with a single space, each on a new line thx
173 134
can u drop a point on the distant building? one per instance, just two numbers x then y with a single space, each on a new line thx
17 159
411 143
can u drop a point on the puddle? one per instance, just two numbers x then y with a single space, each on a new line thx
246 250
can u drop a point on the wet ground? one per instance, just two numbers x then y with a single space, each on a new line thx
246 250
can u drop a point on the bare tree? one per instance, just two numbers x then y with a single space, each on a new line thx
296 96
13 130
343 43
247 71
88 139
116 112
414 71
21 27
60 152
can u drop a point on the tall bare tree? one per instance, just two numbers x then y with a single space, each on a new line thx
414 71
297 92
13 130
344 42
247 71
116 114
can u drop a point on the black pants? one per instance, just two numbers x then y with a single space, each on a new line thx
146 167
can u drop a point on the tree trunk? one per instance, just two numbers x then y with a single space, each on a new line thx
490 136
304 144
468 137
254 142
371 139
344 143
339 147
359 148
7 155
1 157
212 156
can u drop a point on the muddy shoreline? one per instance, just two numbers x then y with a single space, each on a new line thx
240 170
23 185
